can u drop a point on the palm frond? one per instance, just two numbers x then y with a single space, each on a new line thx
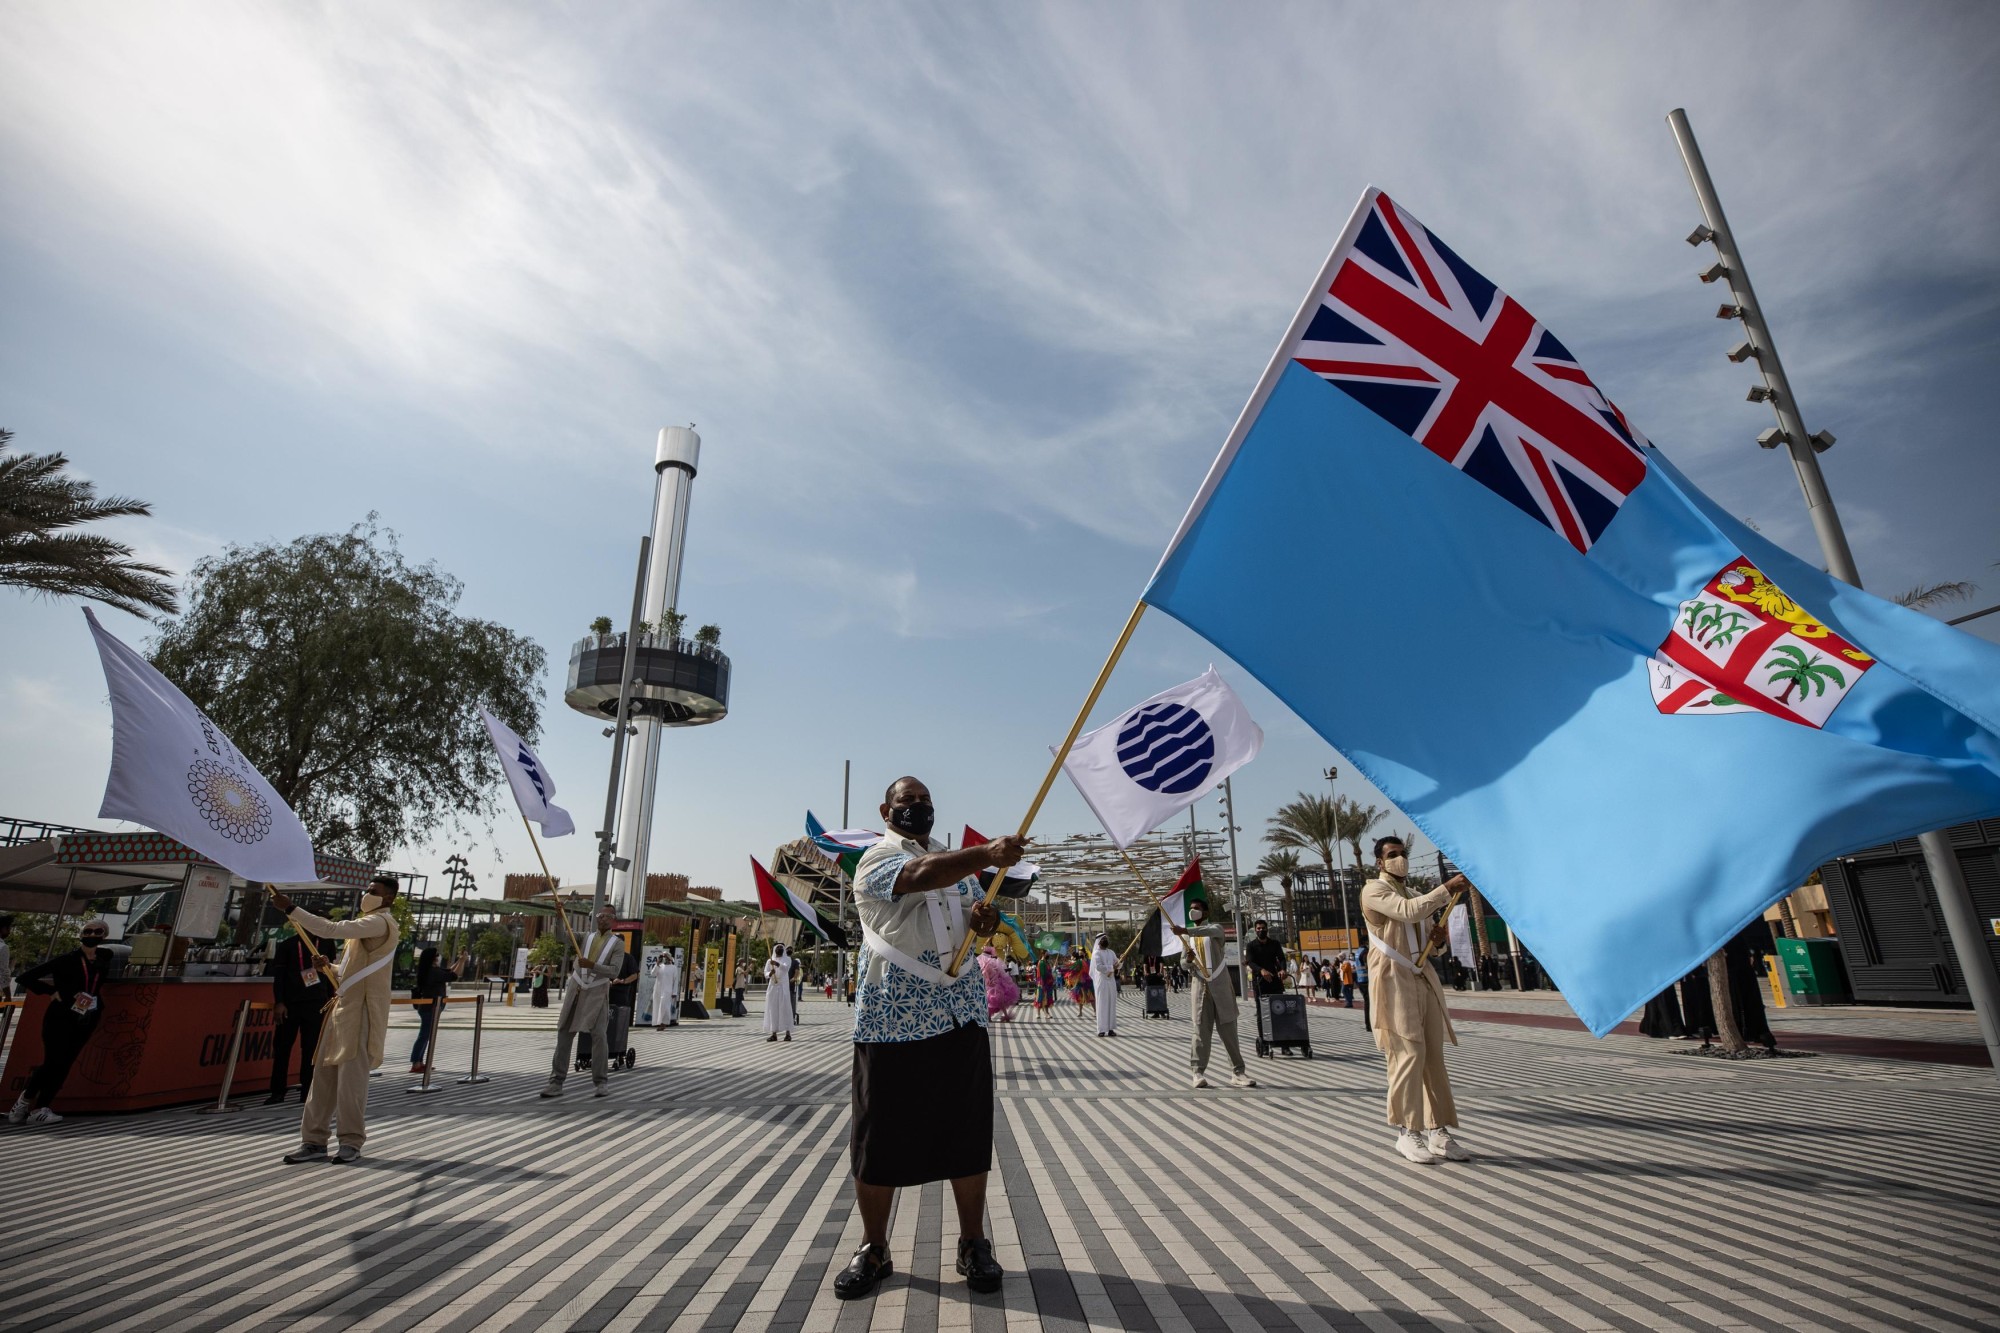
1926 595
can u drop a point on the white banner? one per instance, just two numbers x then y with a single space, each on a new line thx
1154 761
534 790
174 771
1461 937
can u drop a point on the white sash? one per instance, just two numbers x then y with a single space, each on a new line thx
349 983
1393 954
943 931
1194 954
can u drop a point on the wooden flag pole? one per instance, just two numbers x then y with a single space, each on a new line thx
1062 754
561 915
1445 921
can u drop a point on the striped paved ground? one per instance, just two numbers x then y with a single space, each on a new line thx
1617 1187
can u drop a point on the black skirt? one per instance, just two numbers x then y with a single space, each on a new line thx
923 1110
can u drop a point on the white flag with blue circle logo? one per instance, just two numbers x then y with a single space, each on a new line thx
1150 763
534 790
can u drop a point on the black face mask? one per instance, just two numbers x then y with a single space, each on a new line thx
913 820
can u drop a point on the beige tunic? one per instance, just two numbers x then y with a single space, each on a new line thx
1204 958
359 1024
587 997
1397 996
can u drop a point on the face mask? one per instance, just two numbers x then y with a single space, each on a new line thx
1399 866
913 820
370 901
1196 913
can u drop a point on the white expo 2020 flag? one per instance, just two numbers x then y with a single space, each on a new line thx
174 771
1154 761
534 790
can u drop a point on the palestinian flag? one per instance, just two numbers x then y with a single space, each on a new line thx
776 898
843 847
1173 908
1020 876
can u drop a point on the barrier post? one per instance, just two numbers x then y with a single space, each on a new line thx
229 1070
7 1008
478 1026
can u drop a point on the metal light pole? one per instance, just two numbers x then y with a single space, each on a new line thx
1346 914
1947 877
607 845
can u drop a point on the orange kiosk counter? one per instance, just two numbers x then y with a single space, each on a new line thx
162 1041
167 1023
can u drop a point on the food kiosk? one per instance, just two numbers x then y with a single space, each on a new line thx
191 960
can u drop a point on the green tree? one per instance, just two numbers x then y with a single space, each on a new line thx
601 625
1355 821
671 624
549 950
1310 823
37 504
710 635
1807 673
495 949
347 676
1283 866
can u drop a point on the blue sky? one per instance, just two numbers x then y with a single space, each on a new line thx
962 299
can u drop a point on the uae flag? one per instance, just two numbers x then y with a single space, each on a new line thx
1173 908
775 897
1020 876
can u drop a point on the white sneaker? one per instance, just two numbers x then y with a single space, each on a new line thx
19 1111
1242 1080
44 1116
1201 1080
1442 1144
1412 1147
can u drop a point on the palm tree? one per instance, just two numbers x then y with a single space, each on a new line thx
1284 867
1310 824
1924 596
1356 820
1806 674
36 502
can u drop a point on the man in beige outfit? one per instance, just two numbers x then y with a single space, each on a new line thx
352 1037
1411 1024
1214 998
586 1005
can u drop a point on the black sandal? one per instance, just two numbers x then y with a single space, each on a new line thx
863 1273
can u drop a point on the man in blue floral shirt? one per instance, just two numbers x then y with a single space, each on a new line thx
923 1073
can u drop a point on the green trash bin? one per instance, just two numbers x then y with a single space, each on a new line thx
1814 973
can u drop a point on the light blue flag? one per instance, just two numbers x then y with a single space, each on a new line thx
1632 721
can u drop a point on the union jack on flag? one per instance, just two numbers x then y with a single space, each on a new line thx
1416 335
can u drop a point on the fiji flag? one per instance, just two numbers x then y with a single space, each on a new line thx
1634 722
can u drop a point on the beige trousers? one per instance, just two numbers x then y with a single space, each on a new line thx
1206 1022
339 1096
1419 1088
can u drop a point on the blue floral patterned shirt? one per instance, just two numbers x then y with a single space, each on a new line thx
895 1004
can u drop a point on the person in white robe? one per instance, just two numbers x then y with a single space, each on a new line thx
1104 981
667 991
779 1016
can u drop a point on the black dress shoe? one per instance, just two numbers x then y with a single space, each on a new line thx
863 1272
976 1264
275 1099
306 1152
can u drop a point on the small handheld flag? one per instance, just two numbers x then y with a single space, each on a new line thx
1173 908
776 898
1021 875
1155 760
534 790
173 770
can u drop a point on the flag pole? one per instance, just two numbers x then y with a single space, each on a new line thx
561 915
1062 754
1159 903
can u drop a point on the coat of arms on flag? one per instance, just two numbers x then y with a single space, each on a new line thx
1740 645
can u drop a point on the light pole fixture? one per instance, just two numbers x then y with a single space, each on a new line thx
1954 897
